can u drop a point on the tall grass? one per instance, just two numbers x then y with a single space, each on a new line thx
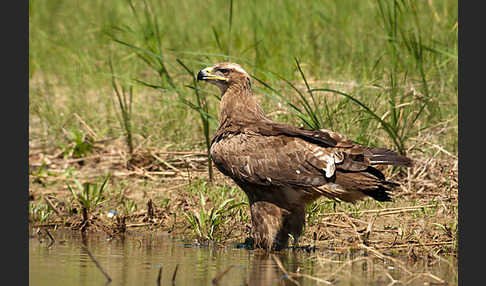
202 108
147 45
125 99
324 60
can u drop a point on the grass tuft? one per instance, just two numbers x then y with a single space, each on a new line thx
89 195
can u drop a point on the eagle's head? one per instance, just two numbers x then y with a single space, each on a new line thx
223 75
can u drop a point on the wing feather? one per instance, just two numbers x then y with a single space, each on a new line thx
270 160
282 160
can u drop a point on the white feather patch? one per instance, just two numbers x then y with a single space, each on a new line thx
330 165
238 68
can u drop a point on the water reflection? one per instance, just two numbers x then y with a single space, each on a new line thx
265 271
137 259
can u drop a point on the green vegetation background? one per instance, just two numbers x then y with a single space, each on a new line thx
397 58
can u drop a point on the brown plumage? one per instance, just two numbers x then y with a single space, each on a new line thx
282 168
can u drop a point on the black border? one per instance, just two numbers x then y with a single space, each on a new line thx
471 126
15 140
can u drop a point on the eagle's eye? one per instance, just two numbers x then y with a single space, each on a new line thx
224 71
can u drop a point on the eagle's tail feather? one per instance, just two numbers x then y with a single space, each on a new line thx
353 186
380 194
382 156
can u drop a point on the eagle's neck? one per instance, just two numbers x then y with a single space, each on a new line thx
239 105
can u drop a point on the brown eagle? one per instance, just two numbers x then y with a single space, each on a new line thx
282 168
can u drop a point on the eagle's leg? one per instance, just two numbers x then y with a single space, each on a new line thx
272 225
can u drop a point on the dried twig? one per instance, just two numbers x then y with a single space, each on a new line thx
51 205
354 228
164 162
385 211
218 277
367 233
406 245
287 275
90 131
311 277
393 281
174 274
193 153
150 209
385 257
50 237
85 248
349 262
419 275
138 224
159 276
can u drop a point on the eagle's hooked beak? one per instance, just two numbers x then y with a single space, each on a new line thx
207 74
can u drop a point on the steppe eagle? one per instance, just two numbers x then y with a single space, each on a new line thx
282 168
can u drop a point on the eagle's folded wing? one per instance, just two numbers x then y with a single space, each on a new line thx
281 160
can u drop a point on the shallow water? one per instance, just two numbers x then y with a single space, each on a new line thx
136 260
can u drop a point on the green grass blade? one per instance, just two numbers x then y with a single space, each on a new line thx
391 132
